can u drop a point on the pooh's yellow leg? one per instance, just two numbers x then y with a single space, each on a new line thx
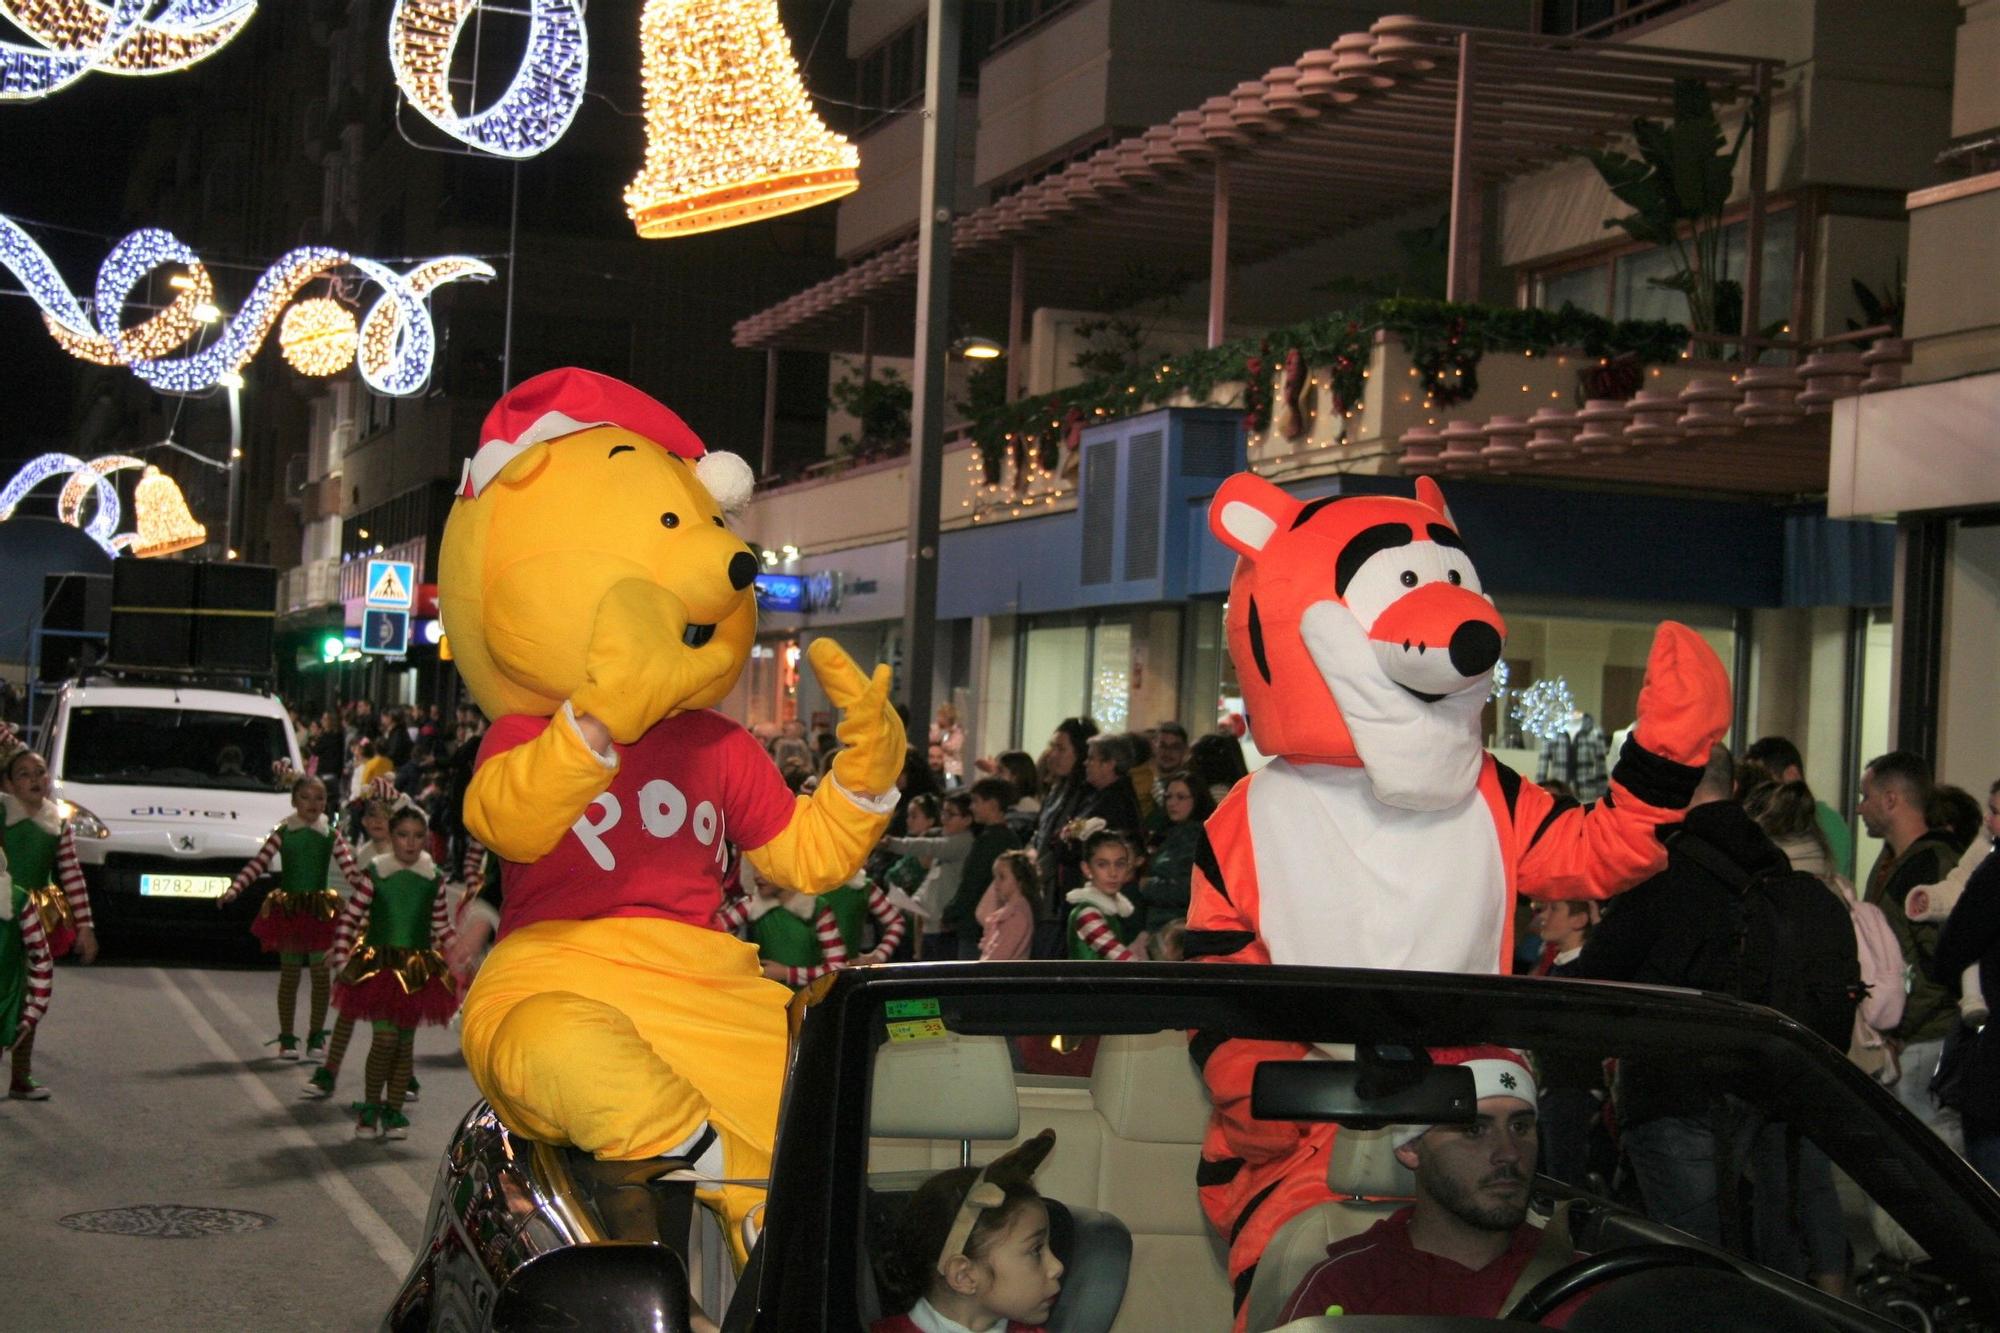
622 1036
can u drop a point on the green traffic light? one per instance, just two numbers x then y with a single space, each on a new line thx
331 647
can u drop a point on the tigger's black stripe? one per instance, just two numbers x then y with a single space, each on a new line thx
1216 1173
1655 779
1562 803
1211 869
1363 545
1313 507
1243 1218
1241 1286
1510 786
1444 536
1214 943
1203 1044
1257 643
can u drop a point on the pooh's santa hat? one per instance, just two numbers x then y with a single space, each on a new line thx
562 402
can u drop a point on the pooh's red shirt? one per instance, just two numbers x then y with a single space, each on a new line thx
655 844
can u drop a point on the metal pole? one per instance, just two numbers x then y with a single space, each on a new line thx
1462 258
235 470
513 259
1753 231
933 328
1218 257
867 345
1017 313
770 463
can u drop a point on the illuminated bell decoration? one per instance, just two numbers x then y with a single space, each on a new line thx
731 136
319 336
165 525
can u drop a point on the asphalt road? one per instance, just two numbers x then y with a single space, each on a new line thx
164 1094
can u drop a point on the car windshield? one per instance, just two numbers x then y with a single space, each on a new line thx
173 747
1824 1174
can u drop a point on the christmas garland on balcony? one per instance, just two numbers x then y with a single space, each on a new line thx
1445 341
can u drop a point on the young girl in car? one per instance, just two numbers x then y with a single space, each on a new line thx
388 950
970 1251
296 920
27 973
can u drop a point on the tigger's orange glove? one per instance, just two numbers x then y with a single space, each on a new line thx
1685 702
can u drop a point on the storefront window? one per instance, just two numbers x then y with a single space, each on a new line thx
1054 663
1120 668
1625 287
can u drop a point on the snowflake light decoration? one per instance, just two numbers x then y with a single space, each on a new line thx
1544 707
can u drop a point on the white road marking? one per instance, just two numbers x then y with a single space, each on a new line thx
412 1195
374 1228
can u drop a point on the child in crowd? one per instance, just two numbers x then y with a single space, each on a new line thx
945 850
971 1251
389 950
41 849
296 920
1008 908
1103 922
852 904
27 975
1170 945
1933 902
907 872
796 935
381 802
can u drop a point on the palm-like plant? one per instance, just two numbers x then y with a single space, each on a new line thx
1676 189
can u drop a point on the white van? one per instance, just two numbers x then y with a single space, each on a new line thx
171 790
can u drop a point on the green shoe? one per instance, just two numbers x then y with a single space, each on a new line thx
368 1126
395 1125
287 1044
411 1094
316 1044
29 1090
319 1085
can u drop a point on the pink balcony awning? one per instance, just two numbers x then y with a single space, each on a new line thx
1364 129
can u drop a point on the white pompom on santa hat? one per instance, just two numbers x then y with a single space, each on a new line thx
1497 1071
562 402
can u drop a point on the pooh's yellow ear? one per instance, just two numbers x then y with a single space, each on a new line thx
522 467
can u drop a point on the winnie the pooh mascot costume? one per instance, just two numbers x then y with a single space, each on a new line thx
1384 834
597 606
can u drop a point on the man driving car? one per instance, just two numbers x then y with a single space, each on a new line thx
1462 1247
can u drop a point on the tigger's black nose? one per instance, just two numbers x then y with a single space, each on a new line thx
1475 647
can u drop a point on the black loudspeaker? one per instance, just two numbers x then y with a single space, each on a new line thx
152 613
73 605
236 612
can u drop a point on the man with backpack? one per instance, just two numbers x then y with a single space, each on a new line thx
1895 790
1730 914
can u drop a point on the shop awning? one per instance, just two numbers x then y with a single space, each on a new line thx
1381 122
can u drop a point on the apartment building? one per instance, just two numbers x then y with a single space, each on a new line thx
1076 574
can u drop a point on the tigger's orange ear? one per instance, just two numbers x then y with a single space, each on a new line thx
1247 511
1431 497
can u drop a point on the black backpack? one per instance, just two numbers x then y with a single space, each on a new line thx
1794 948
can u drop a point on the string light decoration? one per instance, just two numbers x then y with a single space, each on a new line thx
397 341
1544 707
165 525
539 103
85 477
319 336
75 37
731 135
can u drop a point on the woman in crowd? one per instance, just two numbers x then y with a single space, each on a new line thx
1163 893
949 738
1019 769
1064 791
1106 797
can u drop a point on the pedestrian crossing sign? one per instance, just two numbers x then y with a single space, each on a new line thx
391 583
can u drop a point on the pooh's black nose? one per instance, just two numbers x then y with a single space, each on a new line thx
742 569
1475 647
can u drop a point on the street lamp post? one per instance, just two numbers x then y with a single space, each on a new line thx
934 228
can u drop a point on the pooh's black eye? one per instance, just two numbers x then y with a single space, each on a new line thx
670 520
1409 578
1455 577
718 520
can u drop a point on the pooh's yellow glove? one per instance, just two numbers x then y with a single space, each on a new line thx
638 669
870 732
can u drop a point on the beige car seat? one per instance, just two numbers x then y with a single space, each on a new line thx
1371 1184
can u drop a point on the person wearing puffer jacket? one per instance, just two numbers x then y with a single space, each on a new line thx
1934 902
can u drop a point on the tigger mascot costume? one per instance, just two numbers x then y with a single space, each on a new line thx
1383 834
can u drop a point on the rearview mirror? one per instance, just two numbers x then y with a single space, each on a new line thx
609 1287
1386 1086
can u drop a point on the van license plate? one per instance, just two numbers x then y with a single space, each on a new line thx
183 886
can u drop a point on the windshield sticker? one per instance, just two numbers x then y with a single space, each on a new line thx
918 1029
911 1008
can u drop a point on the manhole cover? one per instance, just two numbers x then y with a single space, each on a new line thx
167 1221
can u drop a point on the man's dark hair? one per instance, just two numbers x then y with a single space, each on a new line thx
1718 778
992 789
1956 812
1911 772
1172 729
959 802
1777 754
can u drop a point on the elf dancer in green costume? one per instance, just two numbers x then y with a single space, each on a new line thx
296 920
852 904
27 970
389 951
381 801
1102 920
796 935
40 845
